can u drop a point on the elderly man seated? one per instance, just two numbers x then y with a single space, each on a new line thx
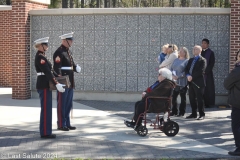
161 88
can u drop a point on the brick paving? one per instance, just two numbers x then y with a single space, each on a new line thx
23 144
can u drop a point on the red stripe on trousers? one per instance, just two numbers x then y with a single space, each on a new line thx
60 109
45 112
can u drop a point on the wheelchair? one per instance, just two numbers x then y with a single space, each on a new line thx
164 123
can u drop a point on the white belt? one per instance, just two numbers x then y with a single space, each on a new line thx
40 73
67 68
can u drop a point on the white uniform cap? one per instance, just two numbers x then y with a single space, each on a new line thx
41 40
68 35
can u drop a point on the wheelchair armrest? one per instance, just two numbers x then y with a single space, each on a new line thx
159 97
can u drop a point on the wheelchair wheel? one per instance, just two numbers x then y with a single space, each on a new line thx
171 128
142 131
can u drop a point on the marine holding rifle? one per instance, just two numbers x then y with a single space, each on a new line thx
195 75
64 65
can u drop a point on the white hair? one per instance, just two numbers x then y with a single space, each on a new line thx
166 73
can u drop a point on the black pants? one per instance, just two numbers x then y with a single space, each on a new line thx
236 125
196 99
209 91
139 108
182 107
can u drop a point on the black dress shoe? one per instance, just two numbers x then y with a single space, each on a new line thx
71 128
130 124
49 136
63 128
201 118
180 115
235 153
191 116
207 106
173 114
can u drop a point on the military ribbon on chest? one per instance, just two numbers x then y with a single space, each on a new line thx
70 57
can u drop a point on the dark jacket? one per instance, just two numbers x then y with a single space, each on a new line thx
210 59
163 89
198 71
232 84
42 64
63 58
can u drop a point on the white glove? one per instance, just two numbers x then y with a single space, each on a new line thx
60 87
78 68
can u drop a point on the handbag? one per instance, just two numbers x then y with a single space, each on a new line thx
63 80
181 90
177 88
184 90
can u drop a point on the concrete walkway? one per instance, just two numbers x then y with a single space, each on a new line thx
101 133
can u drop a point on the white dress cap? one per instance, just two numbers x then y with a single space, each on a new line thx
68 35
41 40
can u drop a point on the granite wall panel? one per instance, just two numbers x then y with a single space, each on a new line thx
118 53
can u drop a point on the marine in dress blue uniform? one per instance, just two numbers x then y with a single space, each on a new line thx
45 74
64 65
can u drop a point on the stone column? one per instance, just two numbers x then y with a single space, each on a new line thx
20 45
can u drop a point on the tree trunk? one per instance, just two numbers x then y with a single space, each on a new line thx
105 4
221 3
139 3
226 4
8 2
64 3
114 3
145 4
210 3
91 5
71 3
82 3
171 3
195 3
98 4
184 3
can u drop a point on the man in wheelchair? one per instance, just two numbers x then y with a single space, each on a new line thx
161 88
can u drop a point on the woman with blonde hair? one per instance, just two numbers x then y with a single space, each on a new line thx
172 54
178 71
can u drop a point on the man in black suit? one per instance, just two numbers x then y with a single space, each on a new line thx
195 74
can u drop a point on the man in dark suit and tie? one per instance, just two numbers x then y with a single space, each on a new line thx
195 74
